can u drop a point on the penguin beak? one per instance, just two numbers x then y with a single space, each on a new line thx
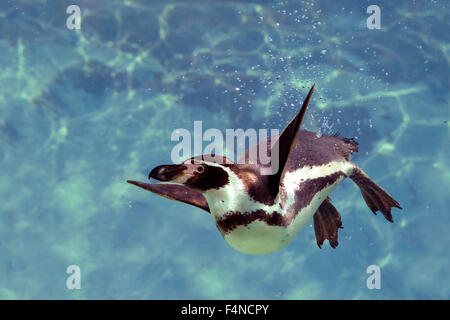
169 172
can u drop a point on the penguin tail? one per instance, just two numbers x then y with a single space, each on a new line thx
327 221
376 198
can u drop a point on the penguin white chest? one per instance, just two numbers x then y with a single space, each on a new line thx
256 228
263 236
243 221
258 238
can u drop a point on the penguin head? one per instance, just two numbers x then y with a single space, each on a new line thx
196 173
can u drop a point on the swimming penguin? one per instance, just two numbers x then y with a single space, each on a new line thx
261 213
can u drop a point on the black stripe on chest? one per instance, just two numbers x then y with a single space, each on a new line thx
303 197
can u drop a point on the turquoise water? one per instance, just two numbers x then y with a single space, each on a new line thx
82 111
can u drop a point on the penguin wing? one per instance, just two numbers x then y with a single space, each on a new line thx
279 149
282 144
285 144
175 192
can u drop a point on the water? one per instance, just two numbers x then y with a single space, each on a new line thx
81 111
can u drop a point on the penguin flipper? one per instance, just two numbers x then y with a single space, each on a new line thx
327 221
285 143
175 192
376 198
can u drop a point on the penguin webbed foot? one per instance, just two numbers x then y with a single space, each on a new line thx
327 221
376 198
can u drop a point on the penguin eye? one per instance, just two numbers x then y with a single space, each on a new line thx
200 169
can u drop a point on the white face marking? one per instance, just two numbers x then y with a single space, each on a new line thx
193 166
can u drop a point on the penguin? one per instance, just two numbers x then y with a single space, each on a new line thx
260 213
